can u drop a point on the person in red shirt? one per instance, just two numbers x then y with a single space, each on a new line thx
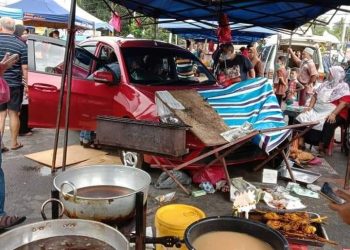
280 83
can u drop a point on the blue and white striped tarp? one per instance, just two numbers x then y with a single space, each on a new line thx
253 101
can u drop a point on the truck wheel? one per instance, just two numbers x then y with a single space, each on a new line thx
131 159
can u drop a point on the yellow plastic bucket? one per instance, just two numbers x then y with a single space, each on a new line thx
172 220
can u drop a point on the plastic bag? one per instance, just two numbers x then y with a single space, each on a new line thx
213 174
4 91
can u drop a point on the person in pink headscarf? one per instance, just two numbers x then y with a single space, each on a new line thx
328 106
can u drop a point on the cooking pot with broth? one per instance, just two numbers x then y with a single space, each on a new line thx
104 193
232 234
64 234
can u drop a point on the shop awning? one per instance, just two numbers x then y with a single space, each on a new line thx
98 23
241 33
11 12
285 14
47 13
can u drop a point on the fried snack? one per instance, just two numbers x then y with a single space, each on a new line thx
292 226
295 217
272 216
295 225
308 229
275 224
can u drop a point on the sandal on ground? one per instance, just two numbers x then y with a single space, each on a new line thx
7 221
18 146
4 149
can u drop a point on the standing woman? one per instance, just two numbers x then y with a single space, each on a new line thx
257 64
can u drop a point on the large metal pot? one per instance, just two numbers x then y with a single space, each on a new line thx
64 227
239 225
111 209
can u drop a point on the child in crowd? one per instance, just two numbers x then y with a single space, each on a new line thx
293 86
280 83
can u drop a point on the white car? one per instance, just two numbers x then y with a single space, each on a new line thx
269 56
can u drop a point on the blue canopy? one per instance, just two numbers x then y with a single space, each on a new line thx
47 13
11 12
241 33
98 24
285 14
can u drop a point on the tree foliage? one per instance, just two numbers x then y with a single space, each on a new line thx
336 29
129 24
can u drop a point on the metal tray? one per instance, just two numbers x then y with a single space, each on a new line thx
320 231
300 175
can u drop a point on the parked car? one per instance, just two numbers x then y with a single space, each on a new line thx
115 77
269 53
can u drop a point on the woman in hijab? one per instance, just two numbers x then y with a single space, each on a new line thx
328 106
257 64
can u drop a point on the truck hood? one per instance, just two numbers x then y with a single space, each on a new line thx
150 91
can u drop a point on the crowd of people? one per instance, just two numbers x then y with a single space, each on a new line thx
327 102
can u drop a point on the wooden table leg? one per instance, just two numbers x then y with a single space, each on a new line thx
171 176
224 165
288 165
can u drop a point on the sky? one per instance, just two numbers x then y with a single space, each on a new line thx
338 16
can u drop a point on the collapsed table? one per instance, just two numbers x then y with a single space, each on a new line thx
169 140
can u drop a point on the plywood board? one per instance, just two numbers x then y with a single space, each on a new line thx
101 159
205 123
75 154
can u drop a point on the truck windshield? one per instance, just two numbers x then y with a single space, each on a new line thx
161 66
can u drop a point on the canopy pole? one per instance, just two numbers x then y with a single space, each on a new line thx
289 45
170 40
67 69
71 29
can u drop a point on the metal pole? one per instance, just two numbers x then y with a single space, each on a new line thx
71 36
63 81
155 29
290 45
140 222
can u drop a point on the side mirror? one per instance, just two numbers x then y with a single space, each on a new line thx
104 77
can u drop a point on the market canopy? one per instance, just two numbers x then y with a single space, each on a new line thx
47 13
285 14
241 33
11 12
97 23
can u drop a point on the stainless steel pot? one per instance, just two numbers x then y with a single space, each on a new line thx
64 227
110 209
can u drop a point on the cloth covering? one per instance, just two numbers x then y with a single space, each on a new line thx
250 101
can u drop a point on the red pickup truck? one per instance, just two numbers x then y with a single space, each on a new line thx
111 76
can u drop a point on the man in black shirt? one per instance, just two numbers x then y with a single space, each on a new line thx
14 77
234 67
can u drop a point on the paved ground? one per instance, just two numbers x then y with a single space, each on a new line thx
28 185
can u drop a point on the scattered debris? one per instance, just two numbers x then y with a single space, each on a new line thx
198 193
165 198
